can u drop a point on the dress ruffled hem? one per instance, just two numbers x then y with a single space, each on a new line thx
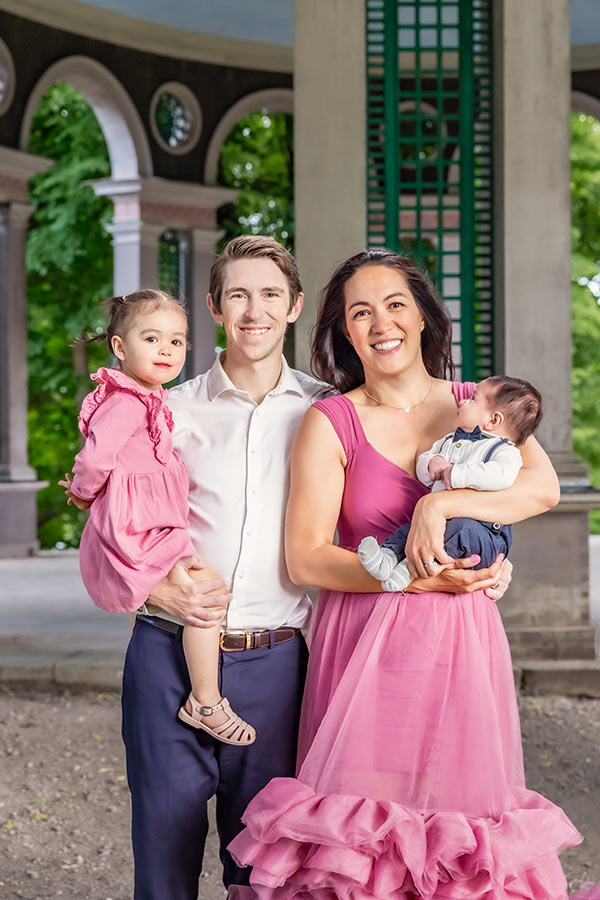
310 846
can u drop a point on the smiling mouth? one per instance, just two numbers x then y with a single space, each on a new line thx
254 331
387 345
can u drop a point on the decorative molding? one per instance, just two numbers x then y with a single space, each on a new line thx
273 100
171 204
124 133
164 192
585 103
126 31
190 104
7 78
584 57
16 168
178 216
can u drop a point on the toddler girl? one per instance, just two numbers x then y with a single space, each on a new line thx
137 488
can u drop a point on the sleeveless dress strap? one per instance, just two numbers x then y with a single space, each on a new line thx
463 390
344 419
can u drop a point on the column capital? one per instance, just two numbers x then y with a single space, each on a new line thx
204 240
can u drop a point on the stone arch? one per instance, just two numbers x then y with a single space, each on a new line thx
274 100
126 139
585 103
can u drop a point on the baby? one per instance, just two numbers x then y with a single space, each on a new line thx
481 454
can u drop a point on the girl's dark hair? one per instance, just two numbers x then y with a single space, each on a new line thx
335 360
122 310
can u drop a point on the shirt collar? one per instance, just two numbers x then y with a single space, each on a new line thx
218 382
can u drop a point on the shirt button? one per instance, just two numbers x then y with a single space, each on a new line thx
248 531
240 574
459 443
254 452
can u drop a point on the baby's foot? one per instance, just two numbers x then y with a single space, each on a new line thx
398 579
378 561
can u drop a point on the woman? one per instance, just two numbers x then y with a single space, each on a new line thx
410 779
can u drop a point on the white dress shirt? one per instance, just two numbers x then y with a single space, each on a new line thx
470 470
237 454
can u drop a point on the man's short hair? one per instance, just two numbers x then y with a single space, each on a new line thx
249 246
520 402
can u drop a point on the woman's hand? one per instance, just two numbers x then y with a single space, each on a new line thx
497 590
463 579
79 502
425 542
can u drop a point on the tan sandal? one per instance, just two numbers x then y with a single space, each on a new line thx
234 731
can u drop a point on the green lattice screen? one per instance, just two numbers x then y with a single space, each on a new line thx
429 147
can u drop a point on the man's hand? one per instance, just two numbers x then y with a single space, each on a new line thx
199 603
463 579
79 502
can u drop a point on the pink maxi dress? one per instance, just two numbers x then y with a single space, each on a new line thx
410 780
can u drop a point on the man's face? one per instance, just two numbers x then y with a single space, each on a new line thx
255 309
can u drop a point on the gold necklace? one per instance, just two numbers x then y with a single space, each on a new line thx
405 409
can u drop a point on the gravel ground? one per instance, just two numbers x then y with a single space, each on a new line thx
64 805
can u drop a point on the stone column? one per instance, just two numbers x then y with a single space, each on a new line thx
144 209
18 482
202 326
329 145
533 302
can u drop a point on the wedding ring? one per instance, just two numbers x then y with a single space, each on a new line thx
430 565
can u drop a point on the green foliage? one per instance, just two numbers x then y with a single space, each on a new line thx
257 159
585 273
69 269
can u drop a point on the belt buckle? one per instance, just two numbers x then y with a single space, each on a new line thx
246 634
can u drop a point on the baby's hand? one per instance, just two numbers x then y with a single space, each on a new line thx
437 467
447 476
79 502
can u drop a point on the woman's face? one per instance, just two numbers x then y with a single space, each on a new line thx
383 321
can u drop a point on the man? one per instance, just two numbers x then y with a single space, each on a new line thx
234 427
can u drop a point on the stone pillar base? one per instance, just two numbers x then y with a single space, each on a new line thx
546 610
18 518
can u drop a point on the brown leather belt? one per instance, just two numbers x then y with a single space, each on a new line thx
250 640
231 641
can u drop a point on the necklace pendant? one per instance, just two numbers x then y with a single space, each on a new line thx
407 409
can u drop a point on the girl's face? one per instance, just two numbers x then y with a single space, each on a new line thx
383 321
152 352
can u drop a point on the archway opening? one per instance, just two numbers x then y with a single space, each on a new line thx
257 158
585 293
69 271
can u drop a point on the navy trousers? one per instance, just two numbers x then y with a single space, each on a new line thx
174 769
463 537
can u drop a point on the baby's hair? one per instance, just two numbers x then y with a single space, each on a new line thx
520 402
122 310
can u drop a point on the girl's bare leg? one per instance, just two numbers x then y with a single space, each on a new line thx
201 649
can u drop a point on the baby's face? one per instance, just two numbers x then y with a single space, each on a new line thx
475 411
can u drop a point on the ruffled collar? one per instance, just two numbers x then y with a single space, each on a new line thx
111 380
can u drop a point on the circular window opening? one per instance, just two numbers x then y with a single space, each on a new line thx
7 77
175 118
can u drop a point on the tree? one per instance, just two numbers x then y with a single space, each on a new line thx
585 274
69 269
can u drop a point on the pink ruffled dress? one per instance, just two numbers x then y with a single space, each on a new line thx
410 780
138 521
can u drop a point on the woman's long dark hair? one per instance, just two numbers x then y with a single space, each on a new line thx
333 357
